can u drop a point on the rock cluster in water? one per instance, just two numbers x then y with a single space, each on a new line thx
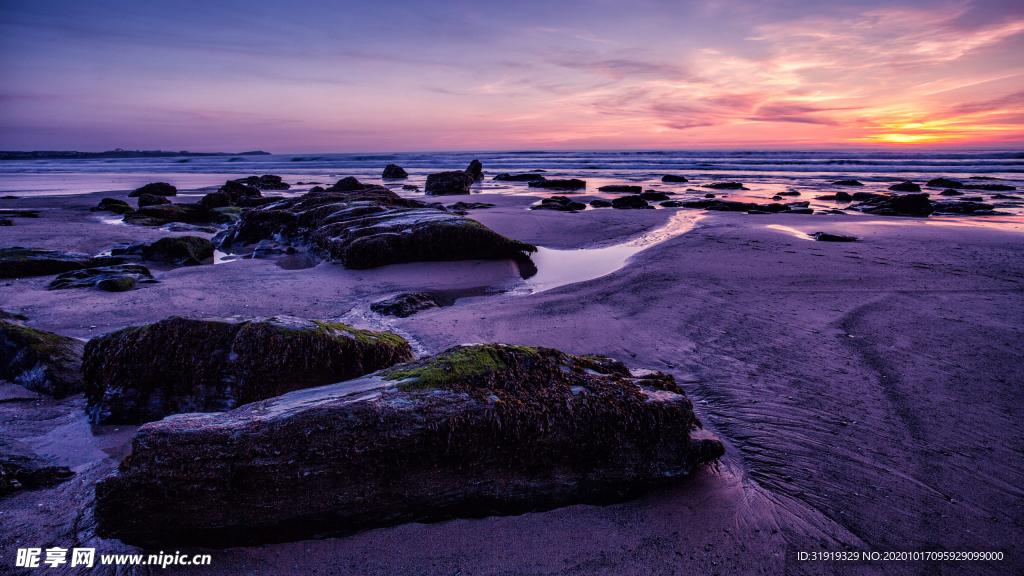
474 431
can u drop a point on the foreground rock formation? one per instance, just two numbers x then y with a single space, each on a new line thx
144 373
472 432
120 278
23 469
40 361
19 262
368 226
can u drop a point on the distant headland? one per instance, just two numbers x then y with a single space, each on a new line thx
116 153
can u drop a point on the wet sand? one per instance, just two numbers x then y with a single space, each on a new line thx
868 392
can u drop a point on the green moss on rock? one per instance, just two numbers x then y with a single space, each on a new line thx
188 250
40 361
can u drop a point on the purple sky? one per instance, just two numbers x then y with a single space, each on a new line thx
400 76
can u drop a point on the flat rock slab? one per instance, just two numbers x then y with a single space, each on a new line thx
144 373
19 262
472 432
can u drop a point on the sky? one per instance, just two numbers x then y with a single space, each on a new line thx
392 76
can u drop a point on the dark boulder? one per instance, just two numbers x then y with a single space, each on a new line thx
18 262
671 204
519 177
346 184
673 178
945 183
829 237
600 204
916 205
448 183
471 206
905 187
476 170
569 184
393 172
187 213
181 250
622 188
23 469
843 197
725 186
238 190
156 189
861 196
253 202
848 183
40 361
789 193
144 373
722 205
410 187
6 222
651 195
404 305
152 200
120 278
372 227
217 199
265 182
629 202
113 205
472 432
951 192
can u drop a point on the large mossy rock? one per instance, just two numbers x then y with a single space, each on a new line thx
372 226
19 262
156 189
114 205
178 365
40 361
23 469
472 432
183 250
187 213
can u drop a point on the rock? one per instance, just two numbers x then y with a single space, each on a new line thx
561 203
448 183
897 205
848 183
600 204
319 189
410 187
622 188
372 227
404 305
672 204
23 469
474 431
1005 197
267 248
253 202
798 211
724 205
156 189
347 184
144 373
394 172
471 206
713 196
726 186
18 262
217 199
40 361
476 170
673 178
265 182
843 197
861 196
151 200
570 184
113 205
6 222
181 250
19 213
828 237
519 177
905 187
654 196
238 190
945 183
789 193
120 278
966 208
187 213
629 202
951 192
990 187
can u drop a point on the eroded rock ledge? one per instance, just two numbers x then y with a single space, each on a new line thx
474 431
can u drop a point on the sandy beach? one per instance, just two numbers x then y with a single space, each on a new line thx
867 392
